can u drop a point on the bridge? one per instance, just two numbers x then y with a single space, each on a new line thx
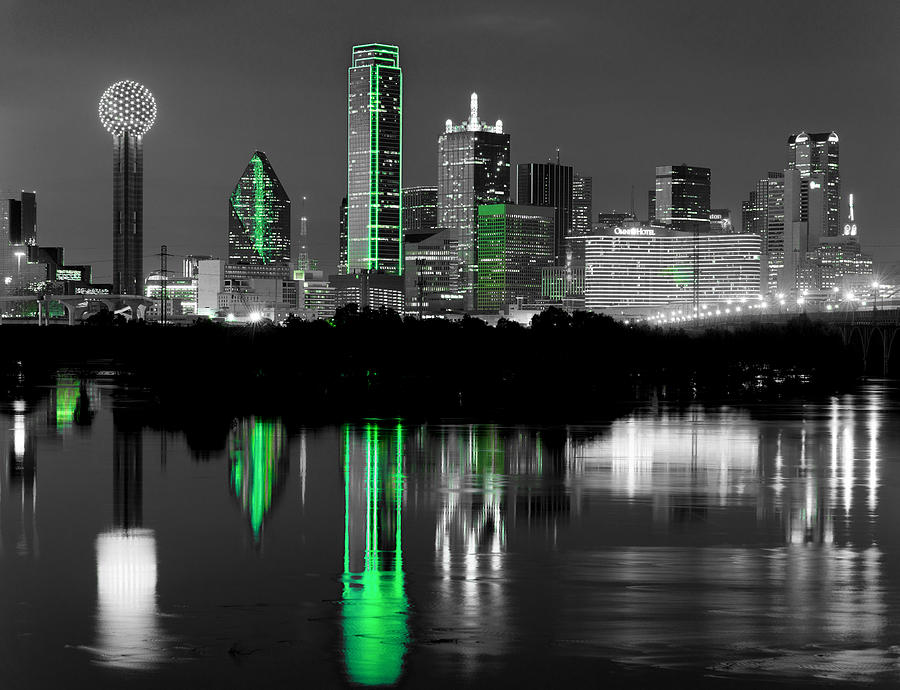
870 333
77 305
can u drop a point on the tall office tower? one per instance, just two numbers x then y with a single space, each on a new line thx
549 184
300 258
127 111
752 217
259 221
515 245
682 197
818 154
419 209
18 231
474 170
805 224
651 207
763 214
582 204
375 107
342 239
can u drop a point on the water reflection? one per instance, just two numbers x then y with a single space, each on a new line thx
66 395
753 541
22 474
374 603
257 449
128 634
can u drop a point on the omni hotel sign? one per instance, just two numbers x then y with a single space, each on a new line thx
636 232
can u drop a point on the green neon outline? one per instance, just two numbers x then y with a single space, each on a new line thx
375 607
374 148
400 177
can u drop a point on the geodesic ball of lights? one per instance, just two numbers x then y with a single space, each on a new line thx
127 106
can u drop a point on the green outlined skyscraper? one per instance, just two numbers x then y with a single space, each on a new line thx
374 116
259 221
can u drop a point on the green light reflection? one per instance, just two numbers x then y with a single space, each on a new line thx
375 606
256 449
67 395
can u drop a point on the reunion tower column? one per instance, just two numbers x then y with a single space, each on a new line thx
127 111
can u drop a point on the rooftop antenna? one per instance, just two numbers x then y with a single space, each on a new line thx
473 112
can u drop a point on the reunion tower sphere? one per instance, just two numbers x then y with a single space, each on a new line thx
127 107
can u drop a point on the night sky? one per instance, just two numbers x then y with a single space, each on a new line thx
619 87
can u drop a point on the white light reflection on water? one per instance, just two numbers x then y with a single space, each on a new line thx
128 633
669 605
470 538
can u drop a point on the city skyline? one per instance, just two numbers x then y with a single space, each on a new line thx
183 207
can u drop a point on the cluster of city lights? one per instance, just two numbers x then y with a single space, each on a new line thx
127 106
830 301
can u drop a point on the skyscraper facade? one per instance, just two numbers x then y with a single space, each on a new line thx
419 209
259 221
127 110
763 214
582 204
818 153
342 239
473 170
682 197
549 184
374 121
18 232
515 245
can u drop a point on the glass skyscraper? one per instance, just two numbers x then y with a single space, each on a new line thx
515 245
374 125
18 231
818 153
342 239
549 184
473 170
682 197
259 223
419 209
582 204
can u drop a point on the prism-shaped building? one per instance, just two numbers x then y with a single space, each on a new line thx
259 222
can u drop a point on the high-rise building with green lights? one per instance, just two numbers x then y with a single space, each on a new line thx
374 128
514 245
473 169
259 222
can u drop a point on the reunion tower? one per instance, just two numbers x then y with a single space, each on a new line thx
127 111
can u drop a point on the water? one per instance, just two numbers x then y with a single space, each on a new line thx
675 545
